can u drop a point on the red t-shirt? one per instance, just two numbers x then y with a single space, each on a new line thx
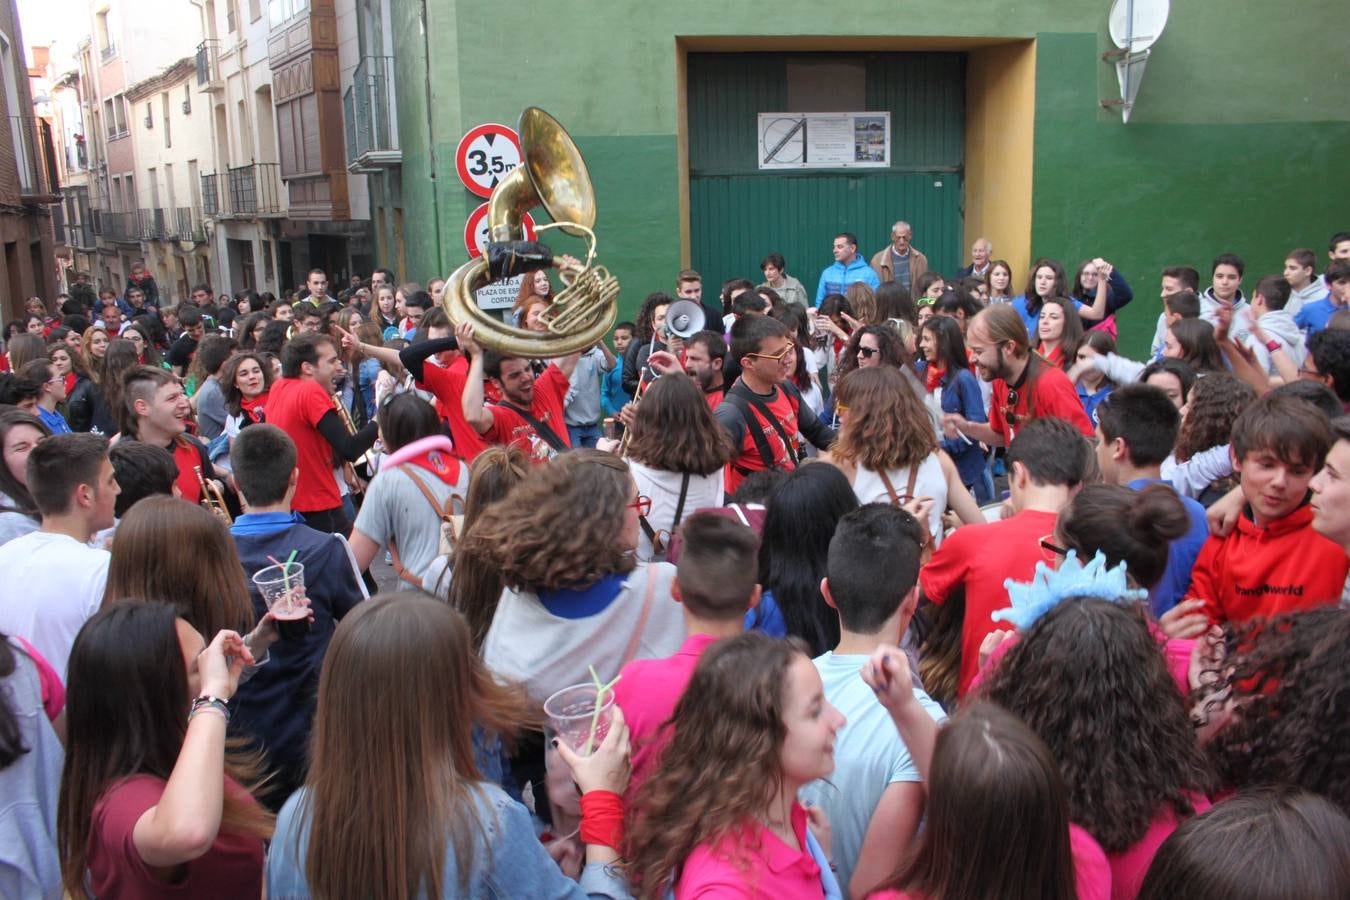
233 867
295 406
1054 395
188 452
714 397
748 459
980 557
1284 567
508 427
448 386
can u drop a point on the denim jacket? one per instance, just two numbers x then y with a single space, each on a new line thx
961 394
508 860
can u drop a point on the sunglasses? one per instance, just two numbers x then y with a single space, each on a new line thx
1050 551
868 352
643 504
777 357
925 301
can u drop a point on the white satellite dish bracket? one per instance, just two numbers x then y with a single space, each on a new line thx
1134 26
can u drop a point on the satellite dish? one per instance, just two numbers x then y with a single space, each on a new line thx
1137 24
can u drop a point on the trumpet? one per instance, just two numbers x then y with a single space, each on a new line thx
213 501
368 458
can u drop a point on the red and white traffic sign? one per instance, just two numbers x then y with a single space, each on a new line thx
485 155
476 230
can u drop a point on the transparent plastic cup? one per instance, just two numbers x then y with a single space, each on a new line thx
571 712
281 587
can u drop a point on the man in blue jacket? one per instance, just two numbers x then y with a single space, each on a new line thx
848 267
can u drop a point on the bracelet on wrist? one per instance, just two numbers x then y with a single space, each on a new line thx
207 703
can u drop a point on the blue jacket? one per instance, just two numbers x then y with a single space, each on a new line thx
838 277
1117 296
961 394
612 395
1181 553
508 859
1313 317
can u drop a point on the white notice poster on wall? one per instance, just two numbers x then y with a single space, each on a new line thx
824 140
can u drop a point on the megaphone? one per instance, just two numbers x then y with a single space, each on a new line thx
685 318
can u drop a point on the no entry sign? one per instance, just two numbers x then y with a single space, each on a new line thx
476 230
485 155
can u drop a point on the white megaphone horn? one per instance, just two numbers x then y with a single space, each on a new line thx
685 318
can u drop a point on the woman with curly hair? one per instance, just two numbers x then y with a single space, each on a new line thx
564 540
801 516
681 475
1095 667
863 301
887 450
720 815
1200 467
1276 698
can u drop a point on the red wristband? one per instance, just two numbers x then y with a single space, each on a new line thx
602 818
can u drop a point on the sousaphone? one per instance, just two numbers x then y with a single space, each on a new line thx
554 175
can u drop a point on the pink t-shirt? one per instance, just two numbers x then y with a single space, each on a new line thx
763 867
1091 872
647 692
1129 866
233 867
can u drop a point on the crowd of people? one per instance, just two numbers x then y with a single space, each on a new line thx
916 588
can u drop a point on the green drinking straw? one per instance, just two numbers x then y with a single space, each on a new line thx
600 691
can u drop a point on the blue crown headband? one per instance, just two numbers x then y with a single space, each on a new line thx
1049 587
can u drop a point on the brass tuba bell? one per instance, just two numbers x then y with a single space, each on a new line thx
554 175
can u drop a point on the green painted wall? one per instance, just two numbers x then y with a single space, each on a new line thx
1238 141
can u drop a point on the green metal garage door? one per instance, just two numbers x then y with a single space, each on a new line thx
738 213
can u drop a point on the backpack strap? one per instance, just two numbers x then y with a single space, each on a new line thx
446 514
659 545
541 428
744 399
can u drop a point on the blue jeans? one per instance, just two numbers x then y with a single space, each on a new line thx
583 435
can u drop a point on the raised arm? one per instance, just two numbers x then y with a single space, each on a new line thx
475 413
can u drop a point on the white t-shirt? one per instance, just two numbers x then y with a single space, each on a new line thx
664 490
931 482
52 584
869 756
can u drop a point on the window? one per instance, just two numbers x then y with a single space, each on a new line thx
149 115
118 117
107 50
229 16
282 11
254 10
109 118
164 105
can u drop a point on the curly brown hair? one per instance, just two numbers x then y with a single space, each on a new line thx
727 732
1290 679
560 527
1089 677
675 431
888 426
1212 407
893 351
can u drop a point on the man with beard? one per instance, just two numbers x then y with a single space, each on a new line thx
1026 387
530 413
704 355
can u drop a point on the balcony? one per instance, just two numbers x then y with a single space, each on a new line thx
80 235
370 121
35 159
123 227
183 224
250 191
210 196
208 67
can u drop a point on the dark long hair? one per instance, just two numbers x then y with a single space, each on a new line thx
894 301
11 735
126 714
1091 667
229 373
951 345
990 770
1199 349
1133 527
802 513
1033 299
20 500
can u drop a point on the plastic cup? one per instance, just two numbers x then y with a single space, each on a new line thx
281 587
571 712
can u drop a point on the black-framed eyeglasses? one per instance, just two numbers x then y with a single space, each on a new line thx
868 352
